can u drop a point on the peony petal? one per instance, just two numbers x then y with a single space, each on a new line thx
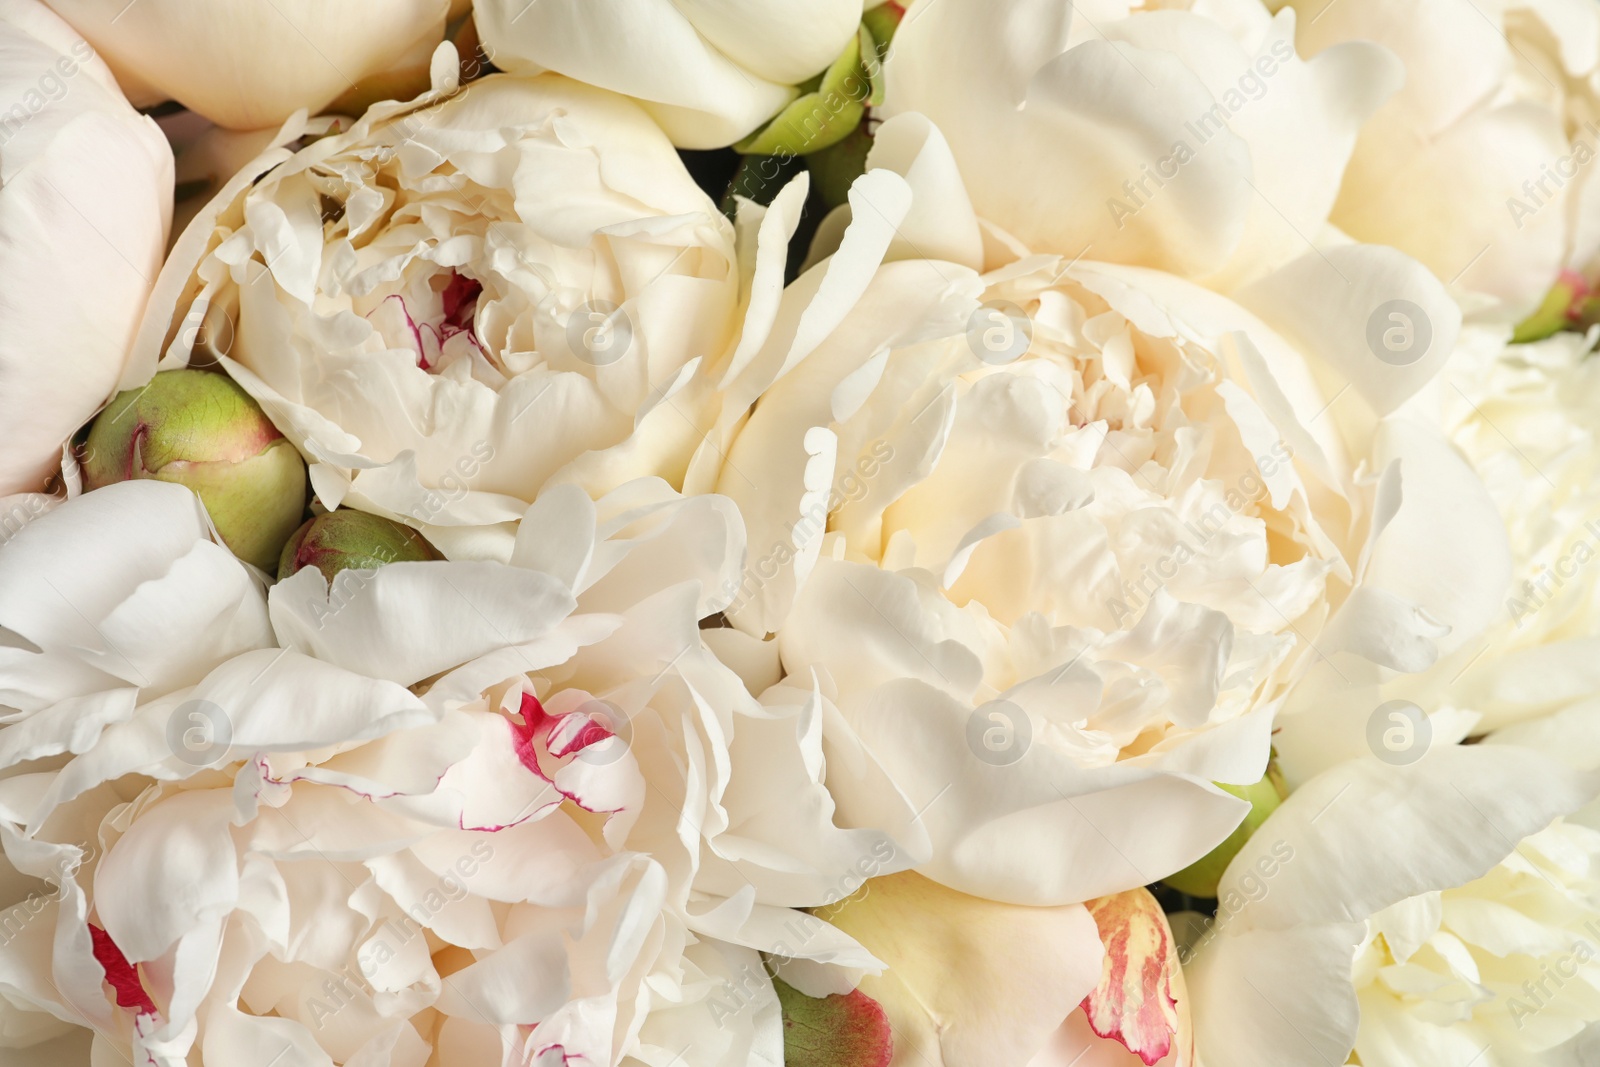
1024 969
1448 818
1264 998
1136 1001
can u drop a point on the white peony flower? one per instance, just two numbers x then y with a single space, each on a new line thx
709 73
1524 416
1442 938
1528 417
1058 584
1341 926
112 599
460 299
1506 963
85 200
1183 137
249 64
1481 165
467 810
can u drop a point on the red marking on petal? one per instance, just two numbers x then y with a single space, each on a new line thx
460 300
541 1059
559 735
536 724
411 324
121 975
135 446
576 732
1133 1003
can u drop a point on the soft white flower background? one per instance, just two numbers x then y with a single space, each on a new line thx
960 542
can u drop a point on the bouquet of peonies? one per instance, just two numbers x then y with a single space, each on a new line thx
674 533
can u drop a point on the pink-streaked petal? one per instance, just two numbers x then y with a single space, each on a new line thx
558 737
1134 1002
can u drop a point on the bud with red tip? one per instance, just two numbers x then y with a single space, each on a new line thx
200 429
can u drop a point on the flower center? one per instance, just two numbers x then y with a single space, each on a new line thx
433 316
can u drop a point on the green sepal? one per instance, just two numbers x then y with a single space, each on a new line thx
821 117
200 429
758 178
834 168
1552 315
881 22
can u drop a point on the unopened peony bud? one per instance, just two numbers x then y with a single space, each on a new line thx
199 429
352 540
1200 878
841 1030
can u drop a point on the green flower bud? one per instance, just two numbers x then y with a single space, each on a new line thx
881 22
199 429
352 540
841 1030
1200 878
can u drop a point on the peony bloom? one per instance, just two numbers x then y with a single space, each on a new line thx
1528 417
1059 540
1190 141
85 200
709 73
1524 416
457 300
249 64
1469 891
1480 166
463 811
88 631
1409 945
1505 962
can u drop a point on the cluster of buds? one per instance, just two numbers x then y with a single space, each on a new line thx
198 428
